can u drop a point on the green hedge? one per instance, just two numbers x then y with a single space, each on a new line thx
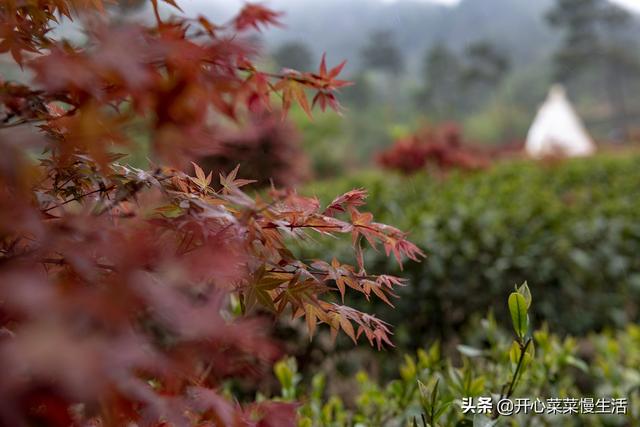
529 362
571 229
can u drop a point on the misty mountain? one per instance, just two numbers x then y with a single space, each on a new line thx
343 27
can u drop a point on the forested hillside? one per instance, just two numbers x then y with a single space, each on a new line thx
342 27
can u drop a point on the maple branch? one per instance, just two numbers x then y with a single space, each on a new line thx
323 273
20 123
63 261
292 226
80 197
278 76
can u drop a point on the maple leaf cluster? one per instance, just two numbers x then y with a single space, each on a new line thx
442 148
118 285
180 74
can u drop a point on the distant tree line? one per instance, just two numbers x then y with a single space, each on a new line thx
598 49
596 58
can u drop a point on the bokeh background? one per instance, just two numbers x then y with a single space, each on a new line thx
434 127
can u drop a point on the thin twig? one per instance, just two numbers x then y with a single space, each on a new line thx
80 197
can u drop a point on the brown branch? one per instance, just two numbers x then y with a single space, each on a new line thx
62 261
80 197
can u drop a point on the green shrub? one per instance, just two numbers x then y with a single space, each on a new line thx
430 390
571 228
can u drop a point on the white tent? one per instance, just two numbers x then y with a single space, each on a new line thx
557 129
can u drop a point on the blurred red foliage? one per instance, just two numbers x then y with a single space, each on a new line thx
442 148
127 297
268 148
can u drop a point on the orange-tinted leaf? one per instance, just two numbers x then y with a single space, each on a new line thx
347 327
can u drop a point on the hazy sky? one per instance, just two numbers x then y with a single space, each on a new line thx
631 4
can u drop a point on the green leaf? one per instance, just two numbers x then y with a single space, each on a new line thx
470 351
529 354
443 408
286 371
514 353
519 317
578 363
408 370
526 293
428 394
318 384
476 387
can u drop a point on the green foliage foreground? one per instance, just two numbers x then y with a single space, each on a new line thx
591 382
572 229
